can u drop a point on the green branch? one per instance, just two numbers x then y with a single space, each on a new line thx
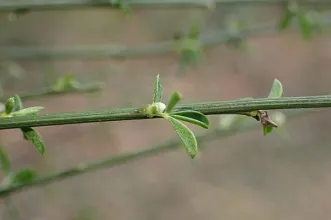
209 108
130 157
49 91
10 5
122 51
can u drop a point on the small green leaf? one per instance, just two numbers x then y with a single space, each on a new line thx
276 89
4 162
175 98
193 117
186 135
33 136
305 24
286 20
23 176
267 129
157 89
28 111
10 104
18 103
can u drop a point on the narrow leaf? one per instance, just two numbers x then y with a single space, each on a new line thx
157 89
175 98
33 136
186 135
276 89
267 129
28 111
23 176
193 117
4 162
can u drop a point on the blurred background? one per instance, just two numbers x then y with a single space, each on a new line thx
242 176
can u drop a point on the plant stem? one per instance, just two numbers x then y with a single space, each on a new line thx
130 157
208 108
91 87
10 5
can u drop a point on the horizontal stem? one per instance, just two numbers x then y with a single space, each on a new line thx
130 157
122 51
209 108
48 91
10 5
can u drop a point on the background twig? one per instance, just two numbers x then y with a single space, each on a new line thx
91 87
9 5
118 160
122 51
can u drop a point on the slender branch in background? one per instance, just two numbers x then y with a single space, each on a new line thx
122 51
49 91
10 5
208 108
130 157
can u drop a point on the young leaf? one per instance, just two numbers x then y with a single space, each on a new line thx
267 129
175 98
28 111
157 90
23 176
193 117
286 20
186 135
18 103
4 162
10 104
33 136
276 89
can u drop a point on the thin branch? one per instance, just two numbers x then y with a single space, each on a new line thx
122 51
209 108
10 5
48 91
130 157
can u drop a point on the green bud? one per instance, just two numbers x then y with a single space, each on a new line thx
10 104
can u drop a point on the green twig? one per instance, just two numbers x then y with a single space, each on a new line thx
124 158
50 91
122 51
208 108
10 5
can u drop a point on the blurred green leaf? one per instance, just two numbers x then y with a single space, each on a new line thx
267 129
186 135
174 99
23 176
286 20
193 117
157 90
28 111
4 162
305 24
33 136
276 89
232 120
10 104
